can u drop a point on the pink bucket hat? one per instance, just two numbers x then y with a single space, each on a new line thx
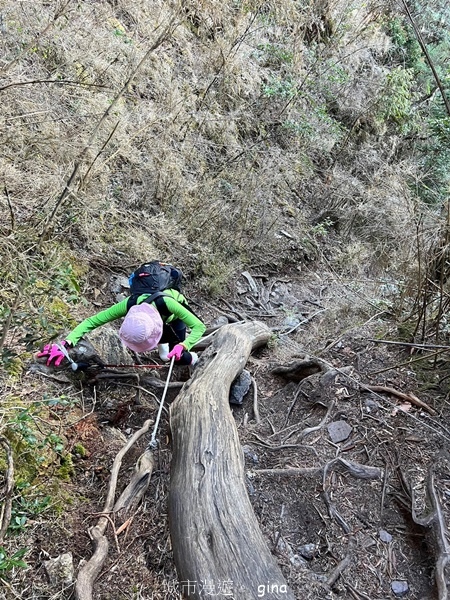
142 328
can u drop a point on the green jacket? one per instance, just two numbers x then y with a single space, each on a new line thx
177 310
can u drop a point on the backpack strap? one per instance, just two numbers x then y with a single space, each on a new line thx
158 299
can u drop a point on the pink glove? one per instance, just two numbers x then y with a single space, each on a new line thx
53 352
177 351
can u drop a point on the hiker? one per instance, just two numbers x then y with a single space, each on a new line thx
152 318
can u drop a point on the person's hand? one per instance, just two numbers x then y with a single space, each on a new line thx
53 353
177 351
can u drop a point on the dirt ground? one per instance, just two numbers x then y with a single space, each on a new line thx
342 527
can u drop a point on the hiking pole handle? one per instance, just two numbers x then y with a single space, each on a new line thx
152 443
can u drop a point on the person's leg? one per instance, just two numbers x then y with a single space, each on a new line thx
173 334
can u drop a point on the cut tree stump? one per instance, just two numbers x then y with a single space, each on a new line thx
216 538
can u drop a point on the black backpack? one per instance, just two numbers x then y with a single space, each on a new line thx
153 278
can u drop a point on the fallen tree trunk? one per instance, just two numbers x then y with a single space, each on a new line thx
216 537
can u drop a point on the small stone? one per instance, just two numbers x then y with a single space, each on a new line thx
219 321
117 283
400 588
240 387
297 561
250 454
385 536
291 322
339 431
308 551
370 405
60 570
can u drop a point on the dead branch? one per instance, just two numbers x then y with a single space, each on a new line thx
105 143
255 401
355 469
334 513
289 471
291 407
428 57
406 363
407 414
6 508
293 429
309 430
150 381
57 81
135 490
7 323
410 397
357 594
11 211
410 345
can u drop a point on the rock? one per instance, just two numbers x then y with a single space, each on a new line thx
370 405
290 322
385 536
329 377
297 561
60 570
240 387
339 431
118 283
104 343
308 551
219 321
250 454
400 588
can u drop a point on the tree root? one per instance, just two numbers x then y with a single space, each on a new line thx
436 521
300 369
355 469
343 564
133 493
90 571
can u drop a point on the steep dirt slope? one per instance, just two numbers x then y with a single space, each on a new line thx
340 526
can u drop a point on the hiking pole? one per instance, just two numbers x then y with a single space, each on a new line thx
153 443
63 349
134 366
76 366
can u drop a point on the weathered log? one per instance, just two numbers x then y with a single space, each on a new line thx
216 537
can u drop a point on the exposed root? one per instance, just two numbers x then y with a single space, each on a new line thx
355 469
90 571
436 521
343 564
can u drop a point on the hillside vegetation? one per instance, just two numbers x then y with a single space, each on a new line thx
280 137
